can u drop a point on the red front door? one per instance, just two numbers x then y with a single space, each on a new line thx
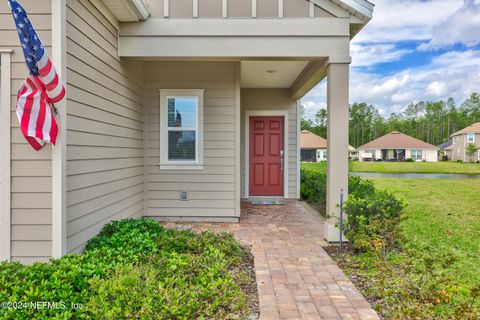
266 156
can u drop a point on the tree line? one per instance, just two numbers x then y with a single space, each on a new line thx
432 122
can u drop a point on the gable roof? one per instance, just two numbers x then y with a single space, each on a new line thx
309 140
474 128
445 145
397 140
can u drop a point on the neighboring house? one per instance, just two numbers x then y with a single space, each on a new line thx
460 141
446 147
313 148
175 109
352 153
397 146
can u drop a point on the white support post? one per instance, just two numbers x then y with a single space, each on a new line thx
5 152
280 8
195 8
254 8
59 152
166 8
312 9
337 144
225 8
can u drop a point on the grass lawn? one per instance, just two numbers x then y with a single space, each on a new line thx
443 215
408 167
433 276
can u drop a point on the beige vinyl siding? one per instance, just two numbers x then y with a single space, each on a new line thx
273 99
31 221
105 127
235 8
212 190
460 146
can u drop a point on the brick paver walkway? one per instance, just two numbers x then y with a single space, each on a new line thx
296 278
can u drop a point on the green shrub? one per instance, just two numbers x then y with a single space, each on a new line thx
373 221
373 216
313 185
410 160
129 270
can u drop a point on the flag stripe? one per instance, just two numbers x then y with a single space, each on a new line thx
41 88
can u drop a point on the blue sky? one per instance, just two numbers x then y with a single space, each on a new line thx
412 50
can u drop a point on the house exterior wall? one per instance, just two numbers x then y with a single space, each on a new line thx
213 190
104 127
31 173
267 100
429 155
235 8
364 154
459 148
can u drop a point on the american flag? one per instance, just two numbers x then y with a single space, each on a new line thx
40 90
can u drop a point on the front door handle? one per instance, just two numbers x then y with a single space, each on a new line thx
281 159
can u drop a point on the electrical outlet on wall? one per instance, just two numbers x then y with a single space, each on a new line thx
184 195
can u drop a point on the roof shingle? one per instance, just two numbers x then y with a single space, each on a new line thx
309 140
474 128
397 140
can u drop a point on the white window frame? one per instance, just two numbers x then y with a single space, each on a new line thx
416 150
196 164
478 157
319 154
470 135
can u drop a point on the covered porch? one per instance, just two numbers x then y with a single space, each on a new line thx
250 124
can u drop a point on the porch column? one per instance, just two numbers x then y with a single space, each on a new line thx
337 143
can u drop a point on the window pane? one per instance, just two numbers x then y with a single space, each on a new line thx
181 145
182 112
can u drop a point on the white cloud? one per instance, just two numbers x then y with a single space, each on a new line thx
372 54
396 20
453 74
461 27
436 23
402 97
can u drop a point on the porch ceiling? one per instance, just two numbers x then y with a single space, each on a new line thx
270 74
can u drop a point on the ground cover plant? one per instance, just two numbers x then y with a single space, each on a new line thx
136 269
432 268
405 167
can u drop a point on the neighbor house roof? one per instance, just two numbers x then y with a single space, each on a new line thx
474 128
397 140
309 140
445 145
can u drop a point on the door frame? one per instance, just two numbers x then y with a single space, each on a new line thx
266 113
5 192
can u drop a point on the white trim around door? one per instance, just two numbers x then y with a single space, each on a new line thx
266 113
5 191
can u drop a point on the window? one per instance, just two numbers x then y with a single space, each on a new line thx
372 152
181 129
321 154
417 154
470 137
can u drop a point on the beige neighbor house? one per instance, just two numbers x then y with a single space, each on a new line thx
396 146
313 148
460 141
175 109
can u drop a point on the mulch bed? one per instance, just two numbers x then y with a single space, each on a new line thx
250 288
352 270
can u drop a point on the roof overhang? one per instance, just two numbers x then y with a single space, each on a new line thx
128 10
